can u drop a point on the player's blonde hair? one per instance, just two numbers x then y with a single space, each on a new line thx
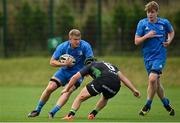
151 6
75 32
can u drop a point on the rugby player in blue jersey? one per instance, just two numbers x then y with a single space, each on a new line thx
155 34
80 50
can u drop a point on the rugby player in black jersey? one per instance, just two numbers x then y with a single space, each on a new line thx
106 80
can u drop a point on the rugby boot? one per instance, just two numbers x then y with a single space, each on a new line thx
170 110
144 110
68 117
34 113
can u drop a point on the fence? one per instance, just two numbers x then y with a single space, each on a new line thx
109 25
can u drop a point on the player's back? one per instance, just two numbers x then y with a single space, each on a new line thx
104 69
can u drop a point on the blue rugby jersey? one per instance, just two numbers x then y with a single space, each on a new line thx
80 53
152 48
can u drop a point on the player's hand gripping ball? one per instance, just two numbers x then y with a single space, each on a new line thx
63 58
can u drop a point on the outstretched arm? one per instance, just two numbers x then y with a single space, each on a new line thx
129 84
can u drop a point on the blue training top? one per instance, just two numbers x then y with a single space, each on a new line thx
80 53
152 48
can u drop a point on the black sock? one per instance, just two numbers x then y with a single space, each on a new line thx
94 112
168 107
71 113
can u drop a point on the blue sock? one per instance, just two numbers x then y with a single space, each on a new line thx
165 101
39 106
55 109
148 103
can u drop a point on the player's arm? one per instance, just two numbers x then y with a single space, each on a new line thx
129 84
140 35
170 38
88 50
140 39
72 81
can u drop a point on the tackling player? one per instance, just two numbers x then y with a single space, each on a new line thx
80 50
106 81
155 34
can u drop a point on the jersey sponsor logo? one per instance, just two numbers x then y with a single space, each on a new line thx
108 89
158 36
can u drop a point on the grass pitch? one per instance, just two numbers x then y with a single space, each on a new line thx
17 102
22 81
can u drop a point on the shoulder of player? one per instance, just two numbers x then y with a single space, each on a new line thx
64 44
163 20
84 43
143 21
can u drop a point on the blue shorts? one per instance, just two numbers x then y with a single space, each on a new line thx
155 66
64 76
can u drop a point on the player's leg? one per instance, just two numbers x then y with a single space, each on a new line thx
151 91
61 102
84 95
100 105
109 88
52 86
160 89
165 100
63 98
152 86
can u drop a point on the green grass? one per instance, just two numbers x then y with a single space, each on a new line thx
22 81
35 71
17 102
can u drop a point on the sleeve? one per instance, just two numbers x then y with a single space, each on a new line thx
139 29
58 52
88 50
85 70
169 27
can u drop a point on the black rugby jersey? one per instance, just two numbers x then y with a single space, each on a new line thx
100 69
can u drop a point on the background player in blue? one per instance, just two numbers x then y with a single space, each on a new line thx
80 50
106 81
155 34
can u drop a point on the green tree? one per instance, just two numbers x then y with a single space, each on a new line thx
23 28
1 19
39 28
134 14
90 27
119 22
64 20
176 44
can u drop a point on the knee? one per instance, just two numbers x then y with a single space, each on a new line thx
81 98
152 79
50 89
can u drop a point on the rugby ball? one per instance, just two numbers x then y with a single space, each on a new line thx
63 58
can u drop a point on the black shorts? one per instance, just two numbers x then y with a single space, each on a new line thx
108 86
